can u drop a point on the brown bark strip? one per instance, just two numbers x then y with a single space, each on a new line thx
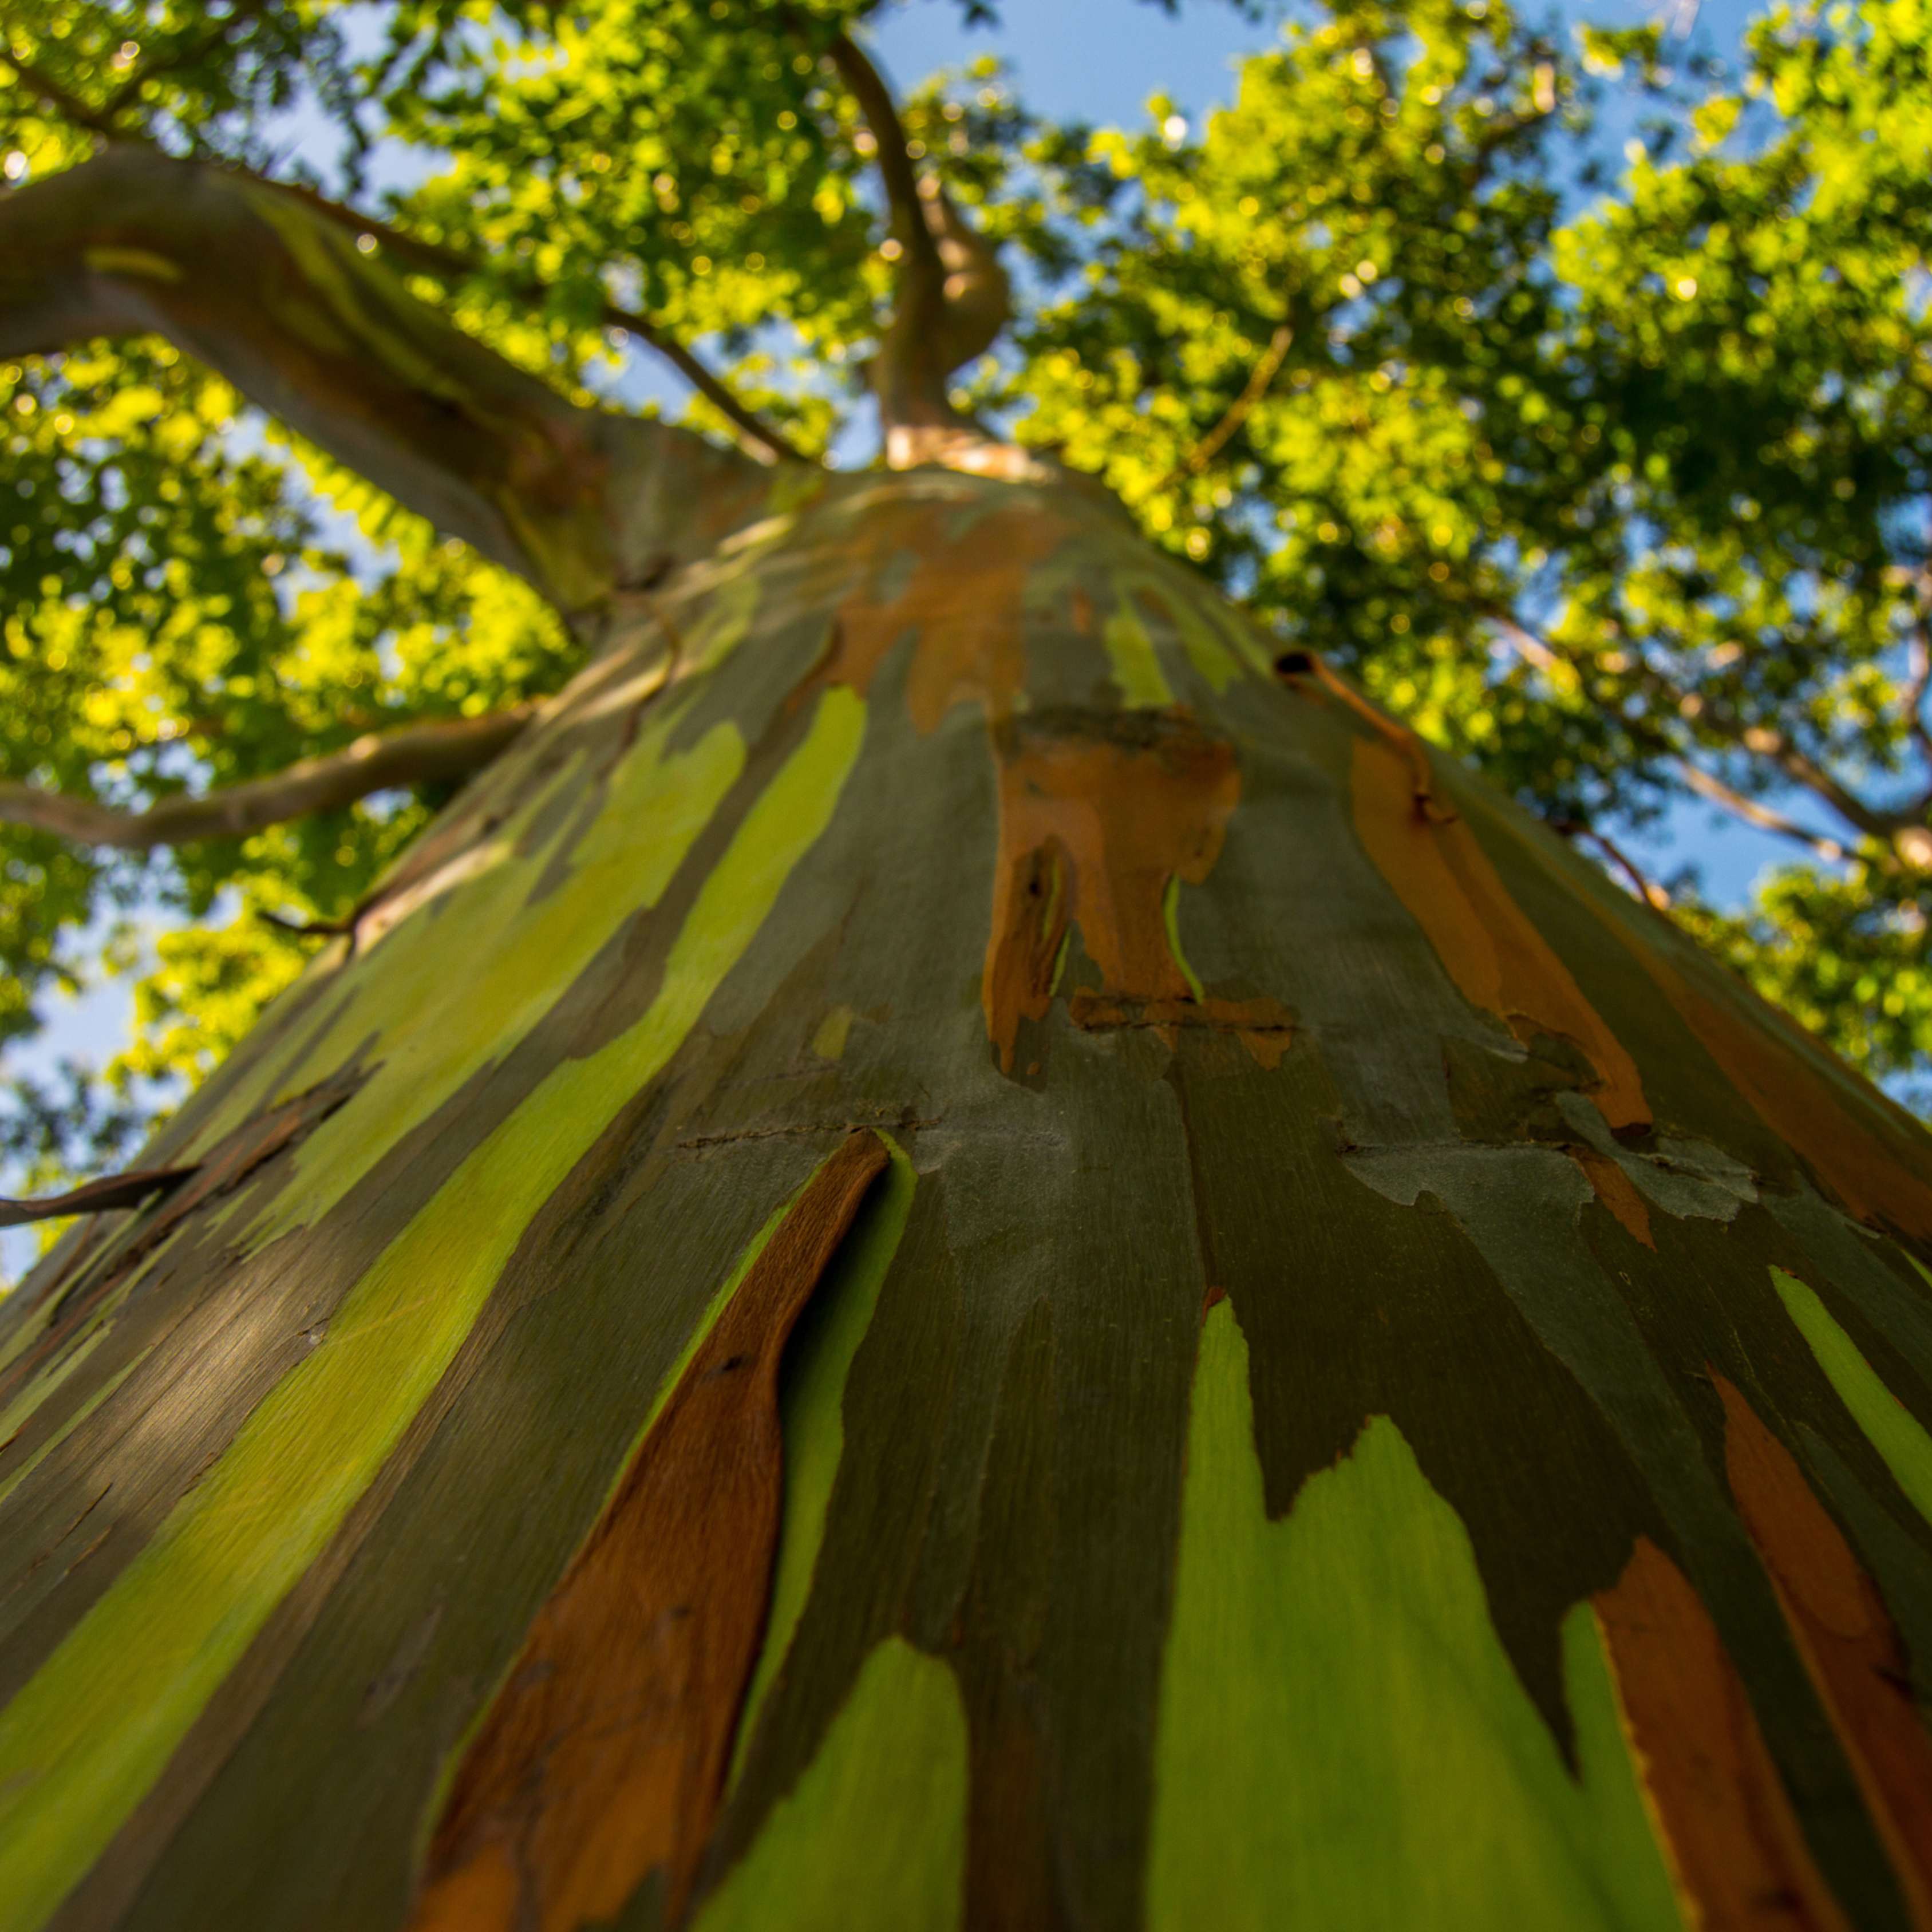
1845 1636
1495 956
1098 813
603 1757
1735 1847
1616 1190
94 1197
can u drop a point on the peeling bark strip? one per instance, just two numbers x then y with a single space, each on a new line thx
1736 1851
604 1755
1101 815
1846 1638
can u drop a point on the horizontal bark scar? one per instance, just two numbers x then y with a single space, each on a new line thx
1263 1026
905 1122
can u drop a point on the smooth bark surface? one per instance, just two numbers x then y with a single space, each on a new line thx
1365 1384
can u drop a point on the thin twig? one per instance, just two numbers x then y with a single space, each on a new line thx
1753 813
307 929
1646 888
1766 741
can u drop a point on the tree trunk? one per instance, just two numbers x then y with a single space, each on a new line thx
951 1257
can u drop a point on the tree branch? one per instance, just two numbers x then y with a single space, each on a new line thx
1748 809
756 437
1900 831
954 297
922 275
280 301
416 753
1766 741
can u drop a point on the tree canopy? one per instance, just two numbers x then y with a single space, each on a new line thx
1608 471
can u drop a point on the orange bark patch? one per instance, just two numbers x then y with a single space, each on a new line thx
1846 1638
1616 1190
603 1757
962 598
1098 813
1735 1847
1498 960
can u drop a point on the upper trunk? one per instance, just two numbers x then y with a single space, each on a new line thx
1376 1387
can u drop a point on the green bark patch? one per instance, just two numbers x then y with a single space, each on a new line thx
517 957
1343 1740
1136 670
873 1837
1889 1425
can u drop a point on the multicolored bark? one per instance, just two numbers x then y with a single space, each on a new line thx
1344 1376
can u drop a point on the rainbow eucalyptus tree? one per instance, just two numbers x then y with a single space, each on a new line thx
963 1247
